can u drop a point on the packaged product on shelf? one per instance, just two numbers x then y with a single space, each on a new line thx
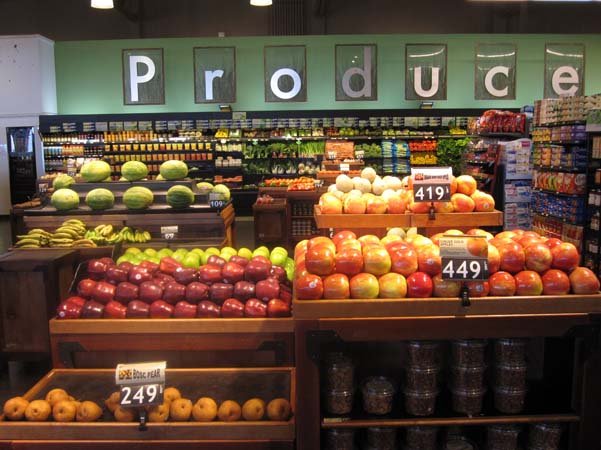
339 402
510 375
468 352
421 402
468 401
467 377
340 439
545 436
502 437
378 394
509 400
422 438
379 438
510 351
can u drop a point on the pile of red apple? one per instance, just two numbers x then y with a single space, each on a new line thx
233 289
520 263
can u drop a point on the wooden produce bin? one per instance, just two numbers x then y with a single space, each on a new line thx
32 283
220 384
271 223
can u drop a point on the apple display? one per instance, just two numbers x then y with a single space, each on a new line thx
150 292
349 261
257 269
528 282
185 275
185 310
137 310
445 288
208 310
255 308
85 287
555 282
309 287
278 308
115 310
232 308
209 274
584 281
419 285
267 289
565 257
376 260
364 285
244 290
392 285
538 257
319 260
336 286
92 310
502 284
103 292
160 309
126 292
174 292
219 292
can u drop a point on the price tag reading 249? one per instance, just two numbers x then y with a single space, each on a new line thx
141 384
432 184
464 258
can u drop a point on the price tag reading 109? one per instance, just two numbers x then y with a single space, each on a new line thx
464 258
431 184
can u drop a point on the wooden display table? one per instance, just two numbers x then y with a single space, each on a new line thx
221 384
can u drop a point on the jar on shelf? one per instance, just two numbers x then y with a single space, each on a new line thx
420 402
379 438
378 394
422 378
467 352
509 400
339 371
468 401
510 351
511 375
502 437
545 436
340 439
468 377
422 438
424 353
339 402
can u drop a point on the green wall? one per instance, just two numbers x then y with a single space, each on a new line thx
88 73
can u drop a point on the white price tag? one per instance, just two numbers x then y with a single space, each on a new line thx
169 232
464 258
432 184
144 395
345 167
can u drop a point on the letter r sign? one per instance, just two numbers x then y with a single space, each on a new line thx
143 76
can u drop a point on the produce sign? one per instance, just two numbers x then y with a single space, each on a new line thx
141 384
464 258
169 232
432 184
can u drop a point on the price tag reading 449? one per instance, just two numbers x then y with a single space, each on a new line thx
141 384
464 258
432 184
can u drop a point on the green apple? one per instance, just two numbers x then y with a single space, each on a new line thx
198 251
208 252
154 259
289 264
226 255
150 252
280 250
261 251
289 273
245 253
278 259
192 259
133 250
125 258
138 258
230 250
162 253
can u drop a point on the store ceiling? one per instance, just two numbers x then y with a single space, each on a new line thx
76 20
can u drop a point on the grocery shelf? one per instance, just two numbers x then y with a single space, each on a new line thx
561 194
559 169
560 143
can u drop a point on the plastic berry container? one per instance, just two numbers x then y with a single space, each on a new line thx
545 436
502 437
339 371
340 439
424 353
381 438
511 375
378 394
422 378
469 352
423 438
420 402
339 402
510 351
509 400
468 401
468 377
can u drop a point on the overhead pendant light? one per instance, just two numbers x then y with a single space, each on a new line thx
261 2
102 4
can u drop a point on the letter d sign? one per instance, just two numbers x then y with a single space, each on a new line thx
143 80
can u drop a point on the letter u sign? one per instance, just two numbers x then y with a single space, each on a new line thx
143 77
426 72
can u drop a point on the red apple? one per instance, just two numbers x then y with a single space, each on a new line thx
152 267
512 258
138 275
125 265
321 240
404 260
478 288
278 273
164 278
349 261
348 245
92 310
527 240
502 284
445 288
70 308
419 285
244 290
185 275
209 274
232 308
392 285
240 260
309 287
319 260
255 308
367 239
552 243
197 292
126 292
174 292
565 257
555 282
103 292
96 269
528 282
150 292
208 310
160 309
364 285
343 236
257 269
376 260
336 286
219 292
278 308
169 265
216 260
184 310
494 259
107 261
428 260
584 281
285 293
115 310
137 310
85 288
115 275
538 257
267 289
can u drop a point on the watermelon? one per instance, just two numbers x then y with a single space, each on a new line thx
159 177
138 197
223 190
180 197
134 170
204 186
65 199
62 180
94 171
174 170
100 198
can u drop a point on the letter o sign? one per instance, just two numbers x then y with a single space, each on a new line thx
296 80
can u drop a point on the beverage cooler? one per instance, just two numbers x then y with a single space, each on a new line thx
22 165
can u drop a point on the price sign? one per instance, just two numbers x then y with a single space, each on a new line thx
464 258
359 154
216 200
169 232
43 188
345 167
141 384
431 184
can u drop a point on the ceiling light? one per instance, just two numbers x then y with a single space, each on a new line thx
261 2
102 4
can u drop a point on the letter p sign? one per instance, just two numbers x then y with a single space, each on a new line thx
143 81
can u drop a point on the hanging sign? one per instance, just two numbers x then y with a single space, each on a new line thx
285 73
356 72
426 72
215 74
143 77
495 71
564 70
431 184
464 258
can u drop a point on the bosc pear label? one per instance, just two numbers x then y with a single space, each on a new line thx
464 258
141 384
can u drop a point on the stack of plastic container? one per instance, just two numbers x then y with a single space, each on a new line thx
422 377
468 365
339 373
510 375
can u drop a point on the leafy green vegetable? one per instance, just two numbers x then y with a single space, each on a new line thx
450 153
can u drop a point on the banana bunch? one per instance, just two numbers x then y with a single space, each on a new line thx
35 238
106 235
71 233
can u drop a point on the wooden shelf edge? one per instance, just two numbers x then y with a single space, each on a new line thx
171 326
450 421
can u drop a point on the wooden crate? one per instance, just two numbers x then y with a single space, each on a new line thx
220 384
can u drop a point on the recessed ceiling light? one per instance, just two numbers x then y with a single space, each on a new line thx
102 4
261 2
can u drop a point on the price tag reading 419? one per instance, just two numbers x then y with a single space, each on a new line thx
141 384
464 258
431 184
